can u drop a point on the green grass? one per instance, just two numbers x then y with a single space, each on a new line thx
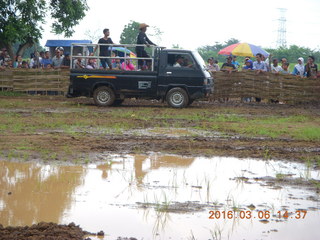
11 94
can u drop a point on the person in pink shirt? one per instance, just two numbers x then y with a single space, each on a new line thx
127 65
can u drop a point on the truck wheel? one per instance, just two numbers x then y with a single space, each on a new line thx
103 96
177 98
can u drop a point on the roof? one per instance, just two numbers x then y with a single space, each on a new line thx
64 43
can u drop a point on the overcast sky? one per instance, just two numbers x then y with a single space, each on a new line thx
192 24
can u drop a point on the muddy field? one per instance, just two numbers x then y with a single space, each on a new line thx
76 126
56 130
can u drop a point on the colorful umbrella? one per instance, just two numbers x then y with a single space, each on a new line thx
243 49
124 50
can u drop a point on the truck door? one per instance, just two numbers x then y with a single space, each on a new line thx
178 68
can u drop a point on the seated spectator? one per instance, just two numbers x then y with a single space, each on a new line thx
46 60
186 63
57 59
266 61
216 65
259 65
5 59
127 65
228 66
49 66
78 63
275 68
18 62
61 50
66 61
213 65
24 64
35 61
116 64
3 56
179 61
235 62
284 60
311 69
248 65
9 63
285 68
91 64
299 68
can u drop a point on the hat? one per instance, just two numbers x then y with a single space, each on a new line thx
143 25
249 61
301 59
67 54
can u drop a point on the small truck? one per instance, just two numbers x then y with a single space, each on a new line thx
179 84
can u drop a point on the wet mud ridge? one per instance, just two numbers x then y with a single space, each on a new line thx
43 231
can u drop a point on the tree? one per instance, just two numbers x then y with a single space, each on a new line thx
130 33
293 52
131 30
212 51
20 21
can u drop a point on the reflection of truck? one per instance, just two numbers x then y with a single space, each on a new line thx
179 86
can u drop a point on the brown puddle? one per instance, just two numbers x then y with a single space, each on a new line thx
164 197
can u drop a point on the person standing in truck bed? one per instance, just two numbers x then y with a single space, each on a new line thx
143 39
104 50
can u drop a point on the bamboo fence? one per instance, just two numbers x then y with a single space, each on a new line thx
268 86
35 80
236 85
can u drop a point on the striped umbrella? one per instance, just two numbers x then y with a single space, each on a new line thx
243 49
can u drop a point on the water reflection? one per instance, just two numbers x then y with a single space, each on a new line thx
158 196
32 192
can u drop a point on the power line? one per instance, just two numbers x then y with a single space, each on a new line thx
282 39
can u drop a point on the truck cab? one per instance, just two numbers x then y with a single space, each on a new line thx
175 76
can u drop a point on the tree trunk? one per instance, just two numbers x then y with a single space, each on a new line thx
23 47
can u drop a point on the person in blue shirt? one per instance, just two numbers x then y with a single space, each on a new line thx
46 60
259 65
249 65
235 62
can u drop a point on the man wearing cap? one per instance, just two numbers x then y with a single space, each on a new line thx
143 39
57 59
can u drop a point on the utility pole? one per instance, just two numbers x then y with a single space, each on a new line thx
282 39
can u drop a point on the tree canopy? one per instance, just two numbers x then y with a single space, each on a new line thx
292 53
212 51
130 33
22 20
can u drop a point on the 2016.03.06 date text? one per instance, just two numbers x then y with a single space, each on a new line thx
298 214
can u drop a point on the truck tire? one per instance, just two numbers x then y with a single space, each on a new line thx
177 98
103 96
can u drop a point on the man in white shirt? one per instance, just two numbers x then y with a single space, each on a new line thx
275 68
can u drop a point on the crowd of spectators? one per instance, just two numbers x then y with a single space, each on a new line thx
37 60
261 64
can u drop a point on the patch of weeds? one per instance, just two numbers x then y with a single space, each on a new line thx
280 176
308 133
267 154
